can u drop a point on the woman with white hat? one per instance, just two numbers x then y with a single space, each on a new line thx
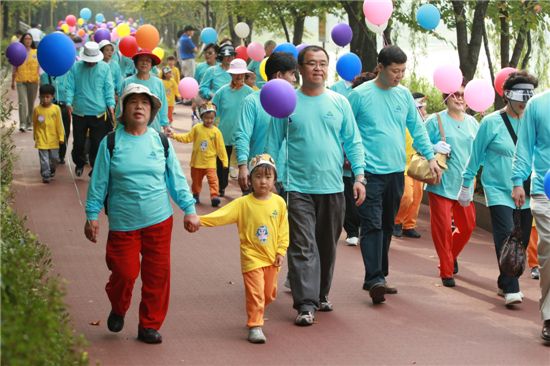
108 50
228 101
136 172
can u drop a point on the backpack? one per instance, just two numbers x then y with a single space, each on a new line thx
111 149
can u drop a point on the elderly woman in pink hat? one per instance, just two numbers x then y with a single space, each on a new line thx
228 100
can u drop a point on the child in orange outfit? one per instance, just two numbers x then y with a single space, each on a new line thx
532 256
207 145
171 87
263 232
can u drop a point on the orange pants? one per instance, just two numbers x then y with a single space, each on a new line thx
532 256
448 244
171 114
410 203
197 174
260 286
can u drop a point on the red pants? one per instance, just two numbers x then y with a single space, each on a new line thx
171 114
197 176
260 286
123 251
449 244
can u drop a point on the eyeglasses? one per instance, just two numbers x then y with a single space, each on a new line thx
458 95
313 64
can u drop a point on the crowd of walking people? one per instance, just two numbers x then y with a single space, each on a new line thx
339 161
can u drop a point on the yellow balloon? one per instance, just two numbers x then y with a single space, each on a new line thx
159 52
262 69
80 21
123 30
65 28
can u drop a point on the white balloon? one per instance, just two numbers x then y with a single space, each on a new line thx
378 29
242 30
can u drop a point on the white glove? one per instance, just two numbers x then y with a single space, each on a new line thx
442 147
464 197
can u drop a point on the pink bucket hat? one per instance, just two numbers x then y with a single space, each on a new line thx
238 67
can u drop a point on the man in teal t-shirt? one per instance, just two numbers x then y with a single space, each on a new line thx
533 153
254 66
383 109
321 123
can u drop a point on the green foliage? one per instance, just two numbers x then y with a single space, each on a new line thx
35 327
422 85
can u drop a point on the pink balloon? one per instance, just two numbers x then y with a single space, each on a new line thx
378 11
256 51
103 26
448 78
479 94
188 87
114 35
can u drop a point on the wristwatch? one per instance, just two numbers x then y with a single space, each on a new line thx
363 181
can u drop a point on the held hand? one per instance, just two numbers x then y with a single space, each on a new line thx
359 193
191 223
112 113
91 230
278 260
243 177
518 194
464 197
436 170
167 131
70 110
442 147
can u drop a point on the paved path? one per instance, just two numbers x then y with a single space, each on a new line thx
424 324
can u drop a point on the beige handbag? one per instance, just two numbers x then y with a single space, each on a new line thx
419 167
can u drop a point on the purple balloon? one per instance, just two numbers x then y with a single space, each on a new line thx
102 34
16 53
341 34
278 98
301 46
90 26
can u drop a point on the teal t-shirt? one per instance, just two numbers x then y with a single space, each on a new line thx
90 90
251 133
228 103
382 116
494 149
342 87
213 79
254 66
533 149
116 75
314 135
59 83
139 181
200 70
460 135
156 87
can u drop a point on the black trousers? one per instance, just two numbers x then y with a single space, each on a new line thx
66 117
223 173
351 218
98 127
502 220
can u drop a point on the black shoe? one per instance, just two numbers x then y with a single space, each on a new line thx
115 322
411 233
222 192
390 289
45 180
62 161
78 171
448 282
398 230
197 200
21 129
215 202
377 292
149 335
52 173
455 269
545 334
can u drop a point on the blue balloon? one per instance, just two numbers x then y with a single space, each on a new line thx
209 35
85 13
427 16
287 48
547 184
56 54
349 66
99 18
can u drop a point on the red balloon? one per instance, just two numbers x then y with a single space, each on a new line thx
241 52
501 77
128 46
70 20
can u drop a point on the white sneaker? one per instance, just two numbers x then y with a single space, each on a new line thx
500 293
233 173
352 241
256 335
513 298
305 318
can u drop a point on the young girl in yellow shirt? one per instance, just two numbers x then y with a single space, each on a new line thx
171 87
262 221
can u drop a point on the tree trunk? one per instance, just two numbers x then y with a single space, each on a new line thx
234 37
504 35
363 43
298 35
527 56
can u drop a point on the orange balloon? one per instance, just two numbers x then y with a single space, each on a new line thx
81 32
147 36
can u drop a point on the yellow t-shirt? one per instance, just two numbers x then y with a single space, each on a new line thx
263 228
172 91
28 72
175 74
409 150
48 129
207 144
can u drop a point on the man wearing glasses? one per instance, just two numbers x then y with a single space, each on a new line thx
321 123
